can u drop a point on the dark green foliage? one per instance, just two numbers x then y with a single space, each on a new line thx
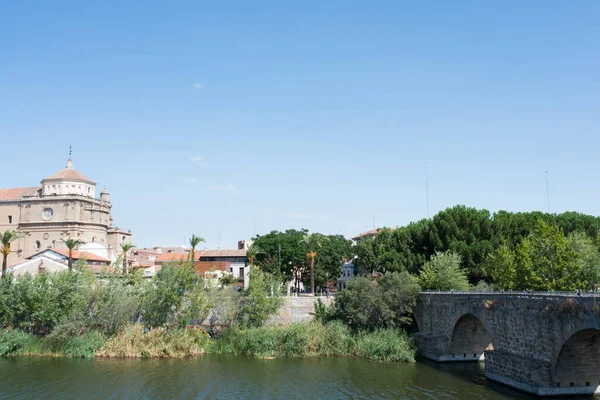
85 345
328 264
385 303
315 339
488 247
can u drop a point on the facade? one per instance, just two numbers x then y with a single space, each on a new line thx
232 261
349 271
36 266
64 205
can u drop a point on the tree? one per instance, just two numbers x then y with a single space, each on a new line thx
336 249
443 272
291 254
72 244
252 252
6 239
195 241
587 256
546 261
384 303
500 266
125 247
313 242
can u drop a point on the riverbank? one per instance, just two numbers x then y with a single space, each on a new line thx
296 340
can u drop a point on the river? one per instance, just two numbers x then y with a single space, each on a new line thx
230 377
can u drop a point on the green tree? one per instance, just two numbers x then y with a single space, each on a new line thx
587 256
444 272
6 239
545 261
313 242
500 266
372 304
291 253
261 300
72 245
253 252
125 247
334 251
195 241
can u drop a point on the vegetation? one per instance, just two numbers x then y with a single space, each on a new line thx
313 242
195 241
125 248
316 339
521 251
327 263
6 238
72 245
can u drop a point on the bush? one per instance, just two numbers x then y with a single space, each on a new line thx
139 342
385 345
11 342
260 301
370 304
85 345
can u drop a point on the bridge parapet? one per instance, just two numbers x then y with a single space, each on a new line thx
531 341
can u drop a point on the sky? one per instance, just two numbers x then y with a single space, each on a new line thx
234 118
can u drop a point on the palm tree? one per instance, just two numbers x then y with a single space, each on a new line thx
72 244
125 247
252 252
313 243
195 241
5 239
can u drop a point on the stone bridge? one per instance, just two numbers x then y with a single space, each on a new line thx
545 344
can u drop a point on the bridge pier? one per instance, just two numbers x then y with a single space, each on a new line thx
435 348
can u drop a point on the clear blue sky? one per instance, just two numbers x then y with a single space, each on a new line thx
219 118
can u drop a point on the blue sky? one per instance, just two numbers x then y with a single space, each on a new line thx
228 118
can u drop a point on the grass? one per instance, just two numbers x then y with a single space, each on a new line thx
296 340
135 342
314 339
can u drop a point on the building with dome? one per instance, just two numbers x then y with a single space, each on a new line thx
65 205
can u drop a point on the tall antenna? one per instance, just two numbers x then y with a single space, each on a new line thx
427 189
219 233
547 193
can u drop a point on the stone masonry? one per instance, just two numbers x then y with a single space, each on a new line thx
541 343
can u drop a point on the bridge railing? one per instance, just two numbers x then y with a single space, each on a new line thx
515 293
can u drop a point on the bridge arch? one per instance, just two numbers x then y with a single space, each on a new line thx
469 339
577 366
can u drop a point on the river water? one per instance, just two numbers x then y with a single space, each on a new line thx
231 377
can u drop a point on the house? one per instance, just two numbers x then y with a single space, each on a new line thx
62 256
233 261
349 271
36 266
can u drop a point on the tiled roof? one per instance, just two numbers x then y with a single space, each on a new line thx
70 174
224 253
372 232
175 257
77 255
17 193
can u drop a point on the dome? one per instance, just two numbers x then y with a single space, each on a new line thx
70 174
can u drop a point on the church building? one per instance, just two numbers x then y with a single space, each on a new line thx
65 205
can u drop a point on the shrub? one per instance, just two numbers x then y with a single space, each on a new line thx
11 342
260 301
369 304
385 345
85 345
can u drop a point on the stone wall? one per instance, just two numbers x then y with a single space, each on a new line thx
297 309
527 332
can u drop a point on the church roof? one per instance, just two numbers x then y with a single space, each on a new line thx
12 194
69 173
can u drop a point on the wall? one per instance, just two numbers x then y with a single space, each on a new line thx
297 309
529 335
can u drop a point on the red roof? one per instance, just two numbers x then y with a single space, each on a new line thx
372 232
70 174
77 255
17 193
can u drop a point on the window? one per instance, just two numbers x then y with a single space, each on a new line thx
37 245
241 272
10 219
